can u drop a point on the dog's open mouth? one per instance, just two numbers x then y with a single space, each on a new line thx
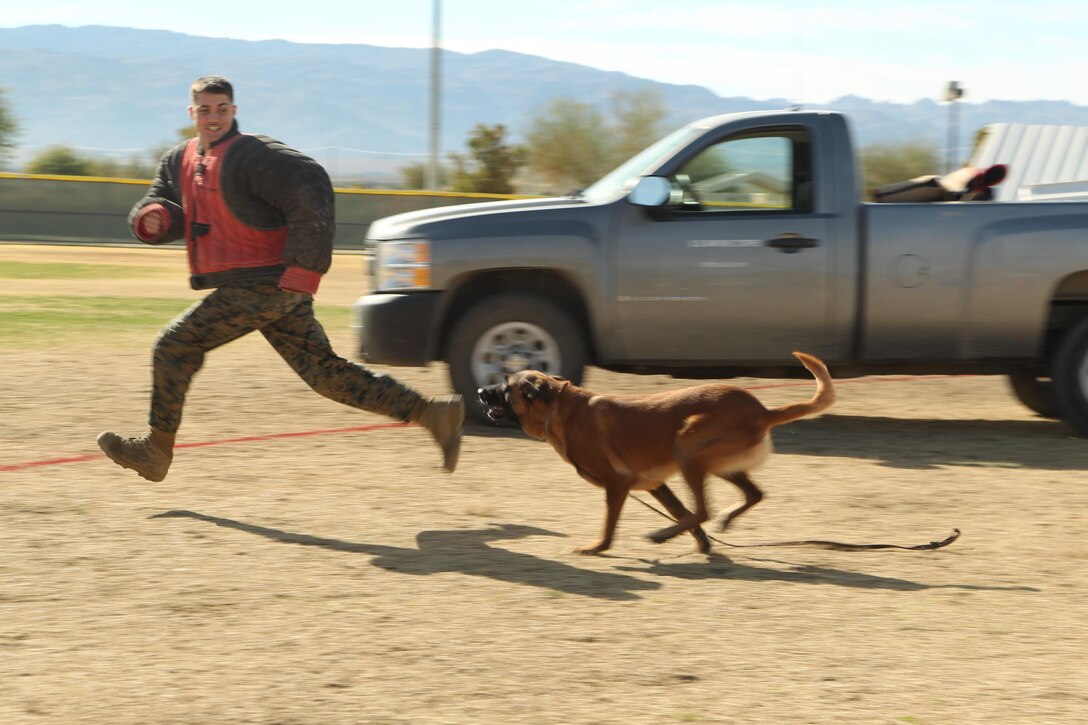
496 413
495 403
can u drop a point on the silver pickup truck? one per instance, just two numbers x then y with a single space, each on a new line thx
720 249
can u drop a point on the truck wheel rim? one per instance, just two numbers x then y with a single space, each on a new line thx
513 346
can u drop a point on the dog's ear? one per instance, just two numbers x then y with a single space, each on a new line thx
532 390
528 391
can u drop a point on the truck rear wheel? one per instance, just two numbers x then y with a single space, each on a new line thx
509 332
1070 376
1036 393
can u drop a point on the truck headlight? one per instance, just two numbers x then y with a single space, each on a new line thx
403 264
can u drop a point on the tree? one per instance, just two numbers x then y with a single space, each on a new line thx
133 168
8 129
888 163
147 167
413 176
638 117
571 144
66 161
567 144
61 160
490 164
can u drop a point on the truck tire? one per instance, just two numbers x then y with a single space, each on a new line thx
1070 377
508 332
1036 393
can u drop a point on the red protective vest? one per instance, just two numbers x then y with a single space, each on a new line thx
228 243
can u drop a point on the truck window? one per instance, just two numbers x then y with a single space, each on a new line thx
768 172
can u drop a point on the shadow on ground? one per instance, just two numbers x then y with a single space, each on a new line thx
467 551
464 551
721 567
927 443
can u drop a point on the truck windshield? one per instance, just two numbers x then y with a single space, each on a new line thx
619 180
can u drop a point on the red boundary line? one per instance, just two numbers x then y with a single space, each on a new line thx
382 426
205 444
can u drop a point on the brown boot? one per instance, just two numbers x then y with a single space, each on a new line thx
149 455
443 417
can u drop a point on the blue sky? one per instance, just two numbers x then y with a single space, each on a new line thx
803 51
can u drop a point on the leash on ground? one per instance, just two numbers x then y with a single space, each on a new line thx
835 545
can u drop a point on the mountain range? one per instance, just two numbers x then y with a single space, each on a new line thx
362 110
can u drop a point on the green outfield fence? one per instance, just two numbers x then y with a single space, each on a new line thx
92 210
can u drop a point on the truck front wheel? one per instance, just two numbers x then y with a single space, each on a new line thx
1036 393
509 332
1070 377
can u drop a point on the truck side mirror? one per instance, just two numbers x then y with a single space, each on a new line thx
651 191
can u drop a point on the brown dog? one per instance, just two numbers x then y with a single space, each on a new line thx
634 443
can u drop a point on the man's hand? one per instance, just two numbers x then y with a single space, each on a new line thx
151 223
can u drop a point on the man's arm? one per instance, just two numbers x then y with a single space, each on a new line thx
158 218
301 190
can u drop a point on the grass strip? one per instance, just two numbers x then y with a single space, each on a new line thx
38 319
73 270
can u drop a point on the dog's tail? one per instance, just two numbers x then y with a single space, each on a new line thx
821 401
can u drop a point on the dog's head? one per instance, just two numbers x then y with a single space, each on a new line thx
524 399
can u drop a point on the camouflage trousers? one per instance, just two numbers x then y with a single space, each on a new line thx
286 319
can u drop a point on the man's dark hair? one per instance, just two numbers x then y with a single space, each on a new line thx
211 84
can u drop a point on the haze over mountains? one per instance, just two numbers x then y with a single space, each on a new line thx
363 110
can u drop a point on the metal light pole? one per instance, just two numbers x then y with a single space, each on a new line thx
436 84
953 93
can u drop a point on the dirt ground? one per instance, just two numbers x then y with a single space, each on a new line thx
306 563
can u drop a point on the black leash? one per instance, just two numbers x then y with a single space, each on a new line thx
835 545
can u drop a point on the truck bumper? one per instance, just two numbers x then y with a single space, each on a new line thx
396 329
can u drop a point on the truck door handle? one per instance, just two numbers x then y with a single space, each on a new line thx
791 243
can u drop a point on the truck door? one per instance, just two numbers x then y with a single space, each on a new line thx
737 268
